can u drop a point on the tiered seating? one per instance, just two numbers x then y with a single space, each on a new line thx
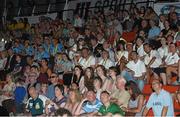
172 89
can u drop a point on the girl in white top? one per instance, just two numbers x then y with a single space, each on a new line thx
140 49
163 50
105 61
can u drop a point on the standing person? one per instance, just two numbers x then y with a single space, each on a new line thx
160 101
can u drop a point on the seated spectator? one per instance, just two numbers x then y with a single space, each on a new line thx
64 65
8 89
106 81
35 104
161 106
105 61
88 78
19 65
45 72
140 49
120 96
32 81
98 86
89 106
121 55
29 50
136 102
19 95
154 30
163 50
26 70
171 62
73 100
56 47
62 112
113 72
58 101
153 61
78 78
11 61
135 70
41 53
87 59
108 108
3 61
44 89
95 47
54 82
106 46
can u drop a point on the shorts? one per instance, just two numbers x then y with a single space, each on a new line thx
159 70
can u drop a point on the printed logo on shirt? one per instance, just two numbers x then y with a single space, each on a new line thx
37 106
157 104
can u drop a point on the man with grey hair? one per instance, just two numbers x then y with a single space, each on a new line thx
120 96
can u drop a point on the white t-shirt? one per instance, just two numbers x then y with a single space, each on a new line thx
138 68
120 54
148 58
87 63
163 51
157 102
141 51
172 59
106 63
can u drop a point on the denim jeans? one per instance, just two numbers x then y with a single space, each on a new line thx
129 77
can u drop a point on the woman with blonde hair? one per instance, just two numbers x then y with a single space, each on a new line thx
73 100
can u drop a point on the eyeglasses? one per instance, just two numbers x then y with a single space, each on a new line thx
53 76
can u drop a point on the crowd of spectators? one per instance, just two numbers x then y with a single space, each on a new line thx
91 67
